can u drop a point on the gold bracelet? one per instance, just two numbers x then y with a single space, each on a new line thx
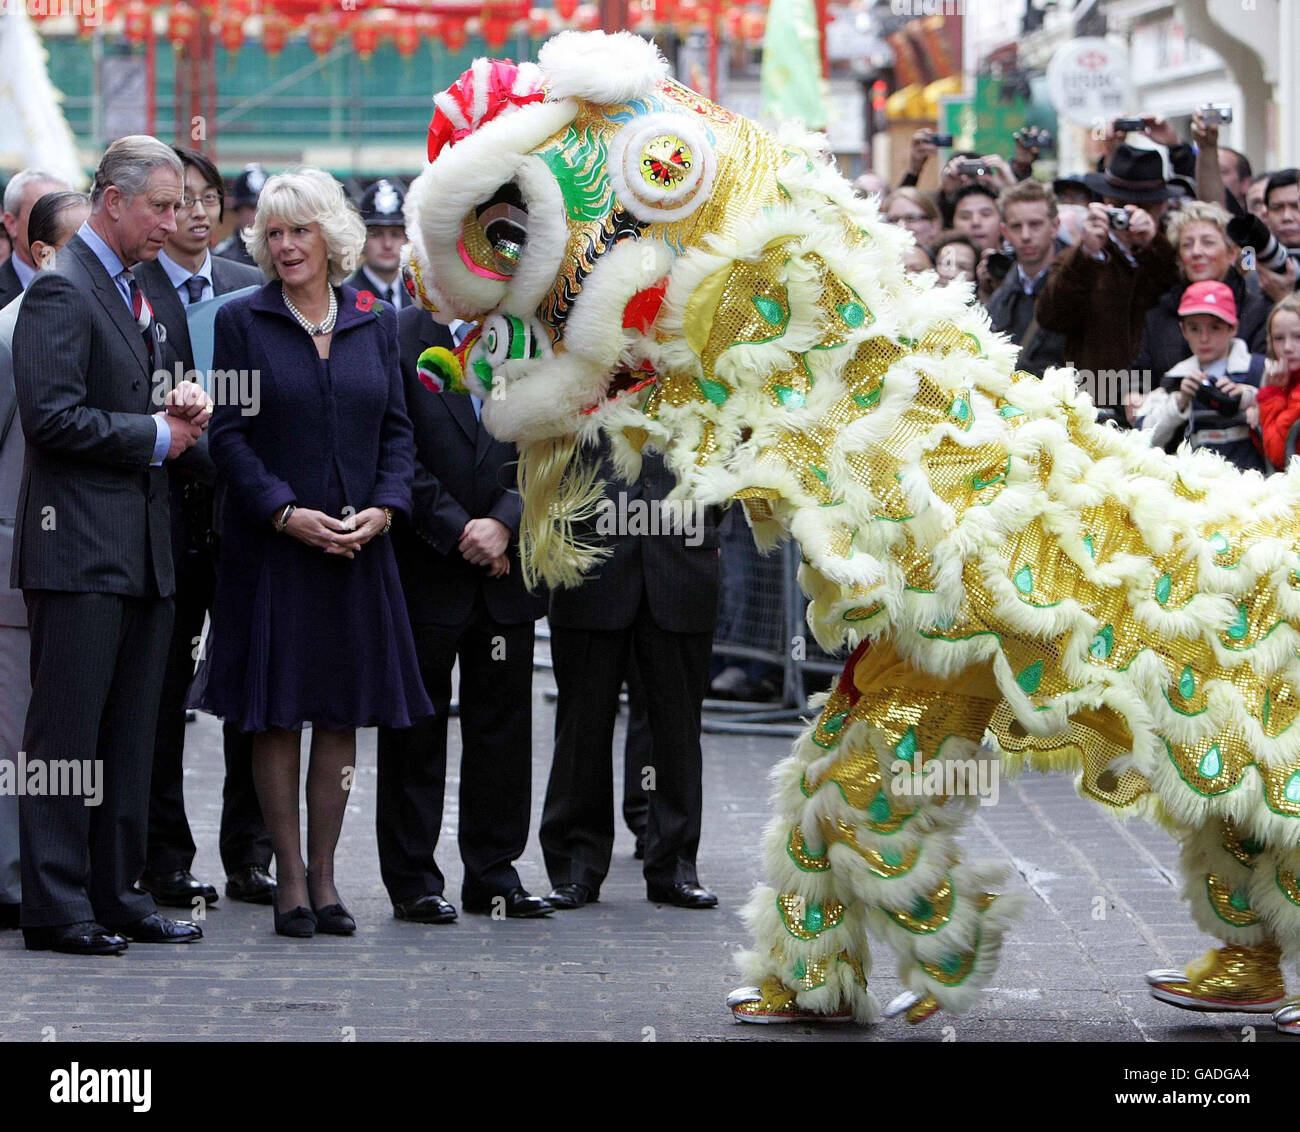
388 514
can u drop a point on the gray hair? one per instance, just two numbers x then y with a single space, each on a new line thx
128 164
19 183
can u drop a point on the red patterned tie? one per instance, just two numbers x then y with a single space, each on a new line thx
142 312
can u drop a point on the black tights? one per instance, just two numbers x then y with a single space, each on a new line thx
277 775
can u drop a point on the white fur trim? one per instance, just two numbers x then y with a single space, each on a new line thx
465 175
599 67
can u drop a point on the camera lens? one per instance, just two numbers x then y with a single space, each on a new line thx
1252 232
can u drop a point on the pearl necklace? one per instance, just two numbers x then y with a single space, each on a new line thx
314 329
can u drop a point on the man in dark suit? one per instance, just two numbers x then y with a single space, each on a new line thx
380 272
459 562
244 194
185 273
93 558
24 189
654 597
53 225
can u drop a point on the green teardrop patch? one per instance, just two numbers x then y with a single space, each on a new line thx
715 391
1163 588
1241 626
852 313
1292 789
769 310
1187 683
1029 678
1024 579
879 810
905 749
1219 543
1211 765
1009 411
790 398
1103 643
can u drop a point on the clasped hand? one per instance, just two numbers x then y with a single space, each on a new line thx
343 537
186 412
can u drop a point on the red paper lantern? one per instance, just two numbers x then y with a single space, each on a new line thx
588 17
665 11
365 38
406 38
496 30
181 25
321 34
135 22
566 8
454 34
539 23
275 33
231 31
753 26
635 13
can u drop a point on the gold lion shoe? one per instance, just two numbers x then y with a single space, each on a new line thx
773 1003
1231 980
916 1007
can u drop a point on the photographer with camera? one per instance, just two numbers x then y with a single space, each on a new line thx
1030 224
1199 232
1098 293
962 169
1279 277
1205 398
1222 174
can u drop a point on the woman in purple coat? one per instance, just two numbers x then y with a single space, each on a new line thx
309 622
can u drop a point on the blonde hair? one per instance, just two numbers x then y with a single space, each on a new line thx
306 195
1197 212
1291 305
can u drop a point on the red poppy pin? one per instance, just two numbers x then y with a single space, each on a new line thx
366 301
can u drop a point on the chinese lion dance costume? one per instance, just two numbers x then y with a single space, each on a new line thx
1016 582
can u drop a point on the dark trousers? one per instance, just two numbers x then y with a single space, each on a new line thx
97 670
496 727
638 753
244 840
577 831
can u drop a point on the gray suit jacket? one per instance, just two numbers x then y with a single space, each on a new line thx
92 516
13 611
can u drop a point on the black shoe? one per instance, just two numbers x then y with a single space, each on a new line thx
430 908
157 928
177 889
9 916
572 895
334 919
519 905
252 885
683 895
85 938
299 923
639 852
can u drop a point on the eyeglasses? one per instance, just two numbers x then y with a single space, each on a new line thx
208 200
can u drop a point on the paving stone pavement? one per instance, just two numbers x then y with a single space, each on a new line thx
1104 909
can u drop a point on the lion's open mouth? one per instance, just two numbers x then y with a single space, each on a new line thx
623 382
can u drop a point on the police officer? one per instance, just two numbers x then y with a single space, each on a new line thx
244 194
381 209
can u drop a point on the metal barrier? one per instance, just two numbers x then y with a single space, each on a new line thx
762 618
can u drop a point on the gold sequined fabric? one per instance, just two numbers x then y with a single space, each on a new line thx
1245 974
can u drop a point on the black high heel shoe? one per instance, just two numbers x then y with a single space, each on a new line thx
299 923
334 919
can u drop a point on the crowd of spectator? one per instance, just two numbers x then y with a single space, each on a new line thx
1165 276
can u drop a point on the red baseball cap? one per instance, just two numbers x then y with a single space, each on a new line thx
1209 298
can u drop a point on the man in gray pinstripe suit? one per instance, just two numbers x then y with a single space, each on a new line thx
92 556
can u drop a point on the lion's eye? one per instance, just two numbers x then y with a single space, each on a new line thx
504 220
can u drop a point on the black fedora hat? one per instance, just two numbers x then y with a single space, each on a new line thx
1135 176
